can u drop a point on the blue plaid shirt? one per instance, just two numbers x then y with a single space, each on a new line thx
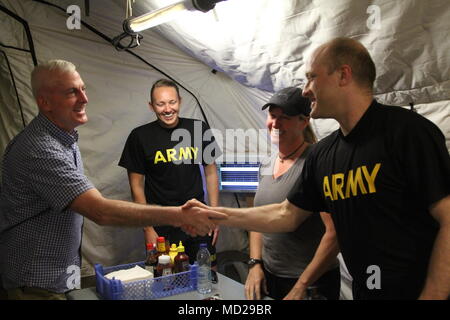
40 238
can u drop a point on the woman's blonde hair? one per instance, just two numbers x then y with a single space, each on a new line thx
308 132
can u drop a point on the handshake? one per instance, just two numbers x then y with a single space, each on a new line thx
198 219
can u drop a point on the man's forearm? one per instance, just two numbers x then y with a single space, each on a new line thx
133 214
102 211
279 217
325 256
437 285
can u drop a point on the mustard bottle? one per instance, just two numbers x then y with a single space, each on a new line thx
173 252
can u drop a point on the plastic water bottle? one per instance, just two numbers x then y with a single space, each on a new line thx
204 283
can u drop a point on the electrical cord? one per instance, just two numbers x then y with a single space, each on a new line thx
237 200
135 41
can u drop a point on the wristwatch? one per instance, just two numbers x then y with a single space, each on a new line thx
253 261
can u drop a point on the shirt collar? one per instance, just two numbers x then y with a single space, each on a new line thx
360 126
65 137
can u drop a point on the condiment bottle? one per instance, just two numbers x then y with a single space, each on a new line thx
181 260
164 267
173 252
152 258
161 246
167 246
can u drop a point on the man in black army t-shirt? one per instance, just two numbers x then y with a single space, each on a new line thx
384 177
163 158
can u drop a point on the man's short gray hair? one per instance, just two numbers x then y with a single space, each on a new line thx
39 76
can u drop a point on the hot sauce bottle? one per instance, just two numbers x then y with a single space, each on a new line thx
161 246
152 258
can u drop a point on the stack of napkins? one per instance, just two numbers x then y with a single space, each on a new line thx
133 274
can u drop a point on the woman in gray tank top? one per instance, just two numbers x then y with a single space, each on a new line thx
284 265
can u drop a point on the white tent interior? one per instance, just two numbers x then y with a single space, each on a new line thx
229 61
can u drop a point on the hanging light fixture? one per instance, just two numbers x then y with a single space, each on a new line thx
132 26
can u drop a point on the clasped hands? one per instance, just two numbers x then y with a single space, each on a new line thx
200 219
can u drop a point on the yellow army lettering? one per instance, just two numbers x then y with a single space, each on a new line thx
345 186
171 154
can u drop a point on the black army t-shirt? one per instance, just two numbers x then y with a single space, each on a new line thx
169 158
378 183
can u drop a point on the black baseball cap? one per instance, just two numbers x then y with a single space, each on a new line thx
291 101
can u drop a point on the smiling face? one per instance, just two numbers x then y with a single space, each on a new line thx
284 129
63 101
166 105
322 86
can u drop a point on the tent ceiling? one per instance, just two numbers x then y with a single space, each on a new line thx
264 43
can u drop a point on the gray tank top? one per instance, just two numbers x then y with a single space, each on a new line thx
286 255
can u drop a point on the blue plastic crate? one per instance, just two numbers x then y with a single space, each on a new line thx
148 289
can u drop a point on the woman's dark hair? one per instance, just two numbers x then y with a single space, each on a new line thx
164 83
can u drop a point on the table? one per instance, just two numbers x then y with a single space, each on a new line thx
226 289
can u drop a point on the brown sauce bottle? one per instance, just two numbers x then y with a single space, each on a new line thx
181 260
164 267
151 260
